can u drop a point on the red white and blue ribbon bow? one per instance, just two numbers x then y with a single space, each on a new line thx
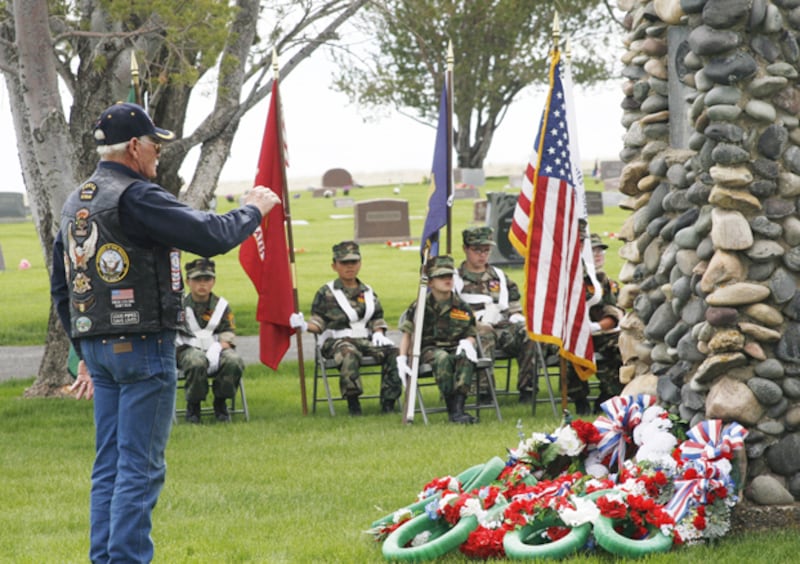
623 413
711 440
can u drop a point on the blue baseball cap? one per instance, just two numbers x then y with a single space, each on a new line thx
123 121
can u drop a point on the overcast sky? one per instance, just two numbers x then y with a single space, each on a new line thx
324 131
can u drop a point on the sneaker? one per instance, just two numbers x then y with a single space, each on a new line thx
221 411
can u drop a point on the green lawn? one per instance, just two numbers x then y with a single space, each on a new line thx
392 272
283 488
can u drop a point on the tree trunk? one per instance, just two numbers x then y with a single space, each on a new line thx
53 377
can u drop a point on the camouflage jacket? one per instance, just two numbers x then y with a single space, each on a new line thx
225 331
327 314
488 283
445 323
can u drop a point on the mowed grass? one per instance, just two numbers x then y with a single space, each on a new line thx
281 488
317 226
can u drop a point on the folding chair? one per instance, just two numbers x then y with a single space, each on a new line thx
483 370
327 367
206 408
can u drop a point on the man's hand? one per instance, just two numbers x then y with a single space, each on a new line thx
83 387
381 340
465 346
402 369
263 198
298 322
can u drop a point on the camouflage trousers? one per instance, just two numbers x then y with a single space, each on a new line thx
194 365
453 374
609 361
513 339
348 355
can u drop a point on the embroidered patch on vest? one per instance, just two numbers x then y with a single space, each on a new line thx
88 191
459 314
85 304
122 298
112 263
81 283
125 318
83 324
176 280
81 253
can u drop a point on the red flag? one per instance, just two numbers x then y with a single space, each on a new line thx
545 231
264 255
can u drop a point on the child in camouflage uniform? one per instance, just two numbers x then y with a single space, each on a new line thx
348 317
605 317
448 338
206 347
495 300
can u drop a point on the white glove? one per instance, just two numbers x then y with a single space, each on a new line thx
297 321
491 314
212 354
516 318
466 346
595 327
381 340
402 369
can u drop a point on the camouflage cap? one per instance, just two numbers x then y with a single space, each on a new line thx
200 267
346 250
597 241
481 235
441 265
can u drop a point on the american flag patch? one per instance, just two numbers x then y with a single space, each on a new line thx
122 297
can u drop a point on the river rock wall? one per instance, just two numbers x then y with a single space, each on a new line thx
712 245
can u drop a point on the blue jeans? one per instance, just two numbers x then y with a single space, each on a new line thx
134 400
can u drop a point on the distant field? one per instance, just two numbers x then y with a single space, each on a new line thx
392 272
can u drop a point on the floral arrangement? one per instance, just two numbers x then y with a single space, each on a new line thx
632 482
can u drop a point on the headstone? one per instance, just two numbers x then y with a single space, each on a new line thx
337 178
323 193
470 176
610 169
479 211
12 206
515 180
2 260
344 202
500 211
377 221
594 203
466 193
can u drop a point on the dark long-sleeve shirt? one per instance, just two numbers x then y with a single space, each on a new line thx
150 216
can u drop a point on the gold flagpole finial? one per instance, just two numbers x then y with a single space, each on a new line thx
134 67
450 56
275 63
556 30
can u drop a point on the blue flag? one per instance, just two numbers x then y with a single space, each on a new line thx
437 202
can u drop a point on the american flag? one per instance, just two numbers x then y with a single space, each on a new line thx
545 231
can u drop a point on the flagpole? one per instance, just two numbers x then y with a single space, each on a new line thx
563 371
287 214
135 79
449 79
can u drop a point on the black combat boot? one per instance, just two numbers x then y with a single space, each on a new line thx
193 412
455 408
353 406
387 406
221 410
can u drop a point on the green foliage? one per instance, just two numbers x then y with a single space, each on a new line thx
392 272
500 47
282 488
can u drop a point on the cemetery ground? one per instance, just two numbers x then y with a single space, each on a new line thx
283 487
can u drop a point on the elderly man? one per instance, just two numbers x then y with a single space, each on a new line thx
117 288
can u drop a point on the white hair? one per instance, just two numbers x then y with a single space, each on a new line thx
112 150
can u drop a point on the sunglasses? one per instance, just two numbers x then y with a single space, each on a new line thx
156 146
